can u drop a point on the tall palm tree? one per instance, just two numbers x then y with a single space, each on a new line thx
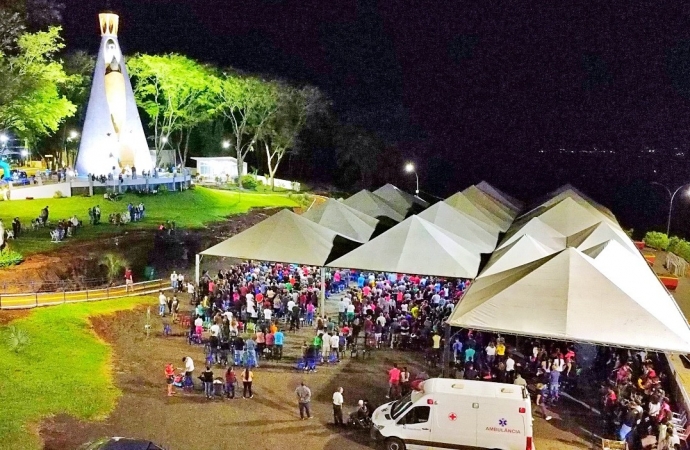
114 264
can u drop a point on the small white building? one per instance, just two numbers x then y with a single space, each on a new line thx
220 166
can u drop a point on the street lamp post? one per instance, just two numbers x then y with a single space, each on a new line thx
672 196
409 168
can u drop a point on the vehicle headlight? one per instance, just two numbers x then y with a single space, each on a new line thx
378 427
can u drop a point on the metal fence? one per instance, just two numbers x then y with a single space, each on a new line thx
34 299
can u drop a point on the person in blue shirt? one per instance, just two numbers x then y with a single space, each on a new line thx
278 339
457 349
361 280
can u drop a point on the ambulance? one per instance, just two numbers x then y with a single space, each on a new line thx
446 413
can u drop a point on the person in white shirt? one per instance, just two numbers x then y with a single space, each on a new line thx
162 301
180 282
335 343
290 305
173 280
510 369
215 330
268 312
338 407
188 371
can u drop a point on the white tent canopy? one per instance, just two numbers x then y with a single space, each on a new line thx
399 198
450 219
339 217
599 233
569 216
519 252
566 296
487 203
415 246
284 237
573 194
501 196
463 204
539 231
373 205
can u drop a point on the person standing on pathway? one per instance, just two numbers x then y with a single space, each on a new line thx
338 407
303 399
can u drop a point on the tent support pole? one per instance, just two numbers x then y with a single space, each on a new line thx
196 270
322 294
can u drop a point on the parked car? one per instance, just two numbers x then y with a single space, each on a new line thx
120 443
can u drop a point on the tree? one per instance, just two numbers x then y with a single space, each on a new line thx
356 151
177 94
280 136
30 98
247 103
113 265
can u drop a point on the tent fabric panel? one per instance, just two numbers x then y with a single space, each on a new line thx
373 205
501 196
460 202
450 219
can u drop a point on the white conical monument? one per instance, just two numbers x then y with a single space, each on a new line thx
113 137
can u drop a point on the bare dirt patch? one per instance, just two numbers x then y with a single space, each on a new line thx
7 316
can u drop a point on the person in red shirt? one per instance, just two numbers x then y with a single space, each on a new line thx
129 280
169 378
393 382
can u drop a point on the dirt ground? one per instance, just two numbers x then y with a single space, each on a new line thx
268 421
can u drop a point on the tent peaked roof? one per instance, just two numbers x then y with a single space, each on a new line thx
415 246
501 196
497 212
568 192
463 204
572 191
539 231
569 217
395 196
519 252
374 206
506 210
284 237
598 233
450 219
339 217
632 273
569 288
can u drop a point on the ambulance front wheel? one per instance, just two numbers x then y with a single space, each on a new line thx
394 444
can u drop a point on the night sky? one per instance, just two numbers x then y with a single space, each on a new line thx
470 90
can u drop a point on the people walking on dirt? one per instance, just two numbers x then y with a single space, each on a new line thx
230 382
393 382
188 372
170 378
338 407
303 400
541 400
174 281
247 379
162 303
207 378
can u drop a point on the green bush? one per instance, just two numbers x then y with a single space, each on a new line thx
657 240
10 258
673 244
58 194
162 188
249 182
683 249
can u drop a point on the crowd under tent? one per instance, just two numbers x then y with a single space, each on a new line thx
415 246
565 296
374 206
539 231
397 197
450 219
342 219
463 204
519 252
510 201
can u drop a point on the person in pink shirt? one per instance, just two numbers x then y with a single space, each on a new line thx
366 290
310 313
393 382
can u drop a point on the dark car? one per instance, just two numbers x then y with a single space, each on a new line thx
119 443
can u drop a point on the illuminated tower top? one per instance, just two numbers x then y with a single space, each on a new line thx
109 23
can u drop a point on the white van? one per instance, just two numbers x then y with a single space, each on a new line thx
457 414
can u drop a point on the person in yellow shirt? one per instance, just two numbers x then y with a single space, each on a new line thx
415 311
500 350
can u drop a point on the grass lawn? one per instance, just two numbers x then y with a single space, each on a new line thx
64 369
189 209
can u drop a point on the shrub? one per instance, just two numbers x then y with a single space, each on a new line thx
17 339
629 232
249 182
162 188
657 240
673 244
58 194
10 258
682 249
